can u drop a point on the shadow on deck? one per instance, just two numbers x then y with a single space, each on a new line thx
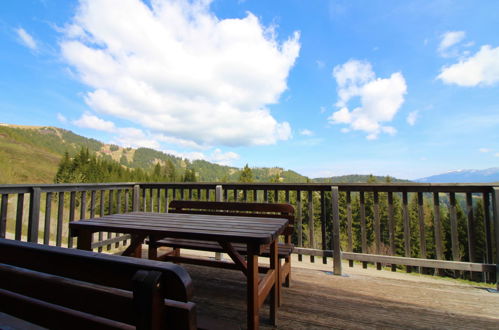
362 299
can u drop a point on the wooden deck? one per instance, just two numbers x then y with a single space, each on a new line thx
364 299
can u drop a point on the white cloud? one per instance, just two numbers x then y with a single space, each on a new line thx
26 39
223 158
306 132
61 118
484 150
496 154
412 117
88 120
380 99
176 69
448 40
482 68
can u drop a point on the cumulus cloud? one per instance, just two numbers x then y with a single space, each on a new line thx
380 98
26 39
412 117
481 68
176 69
448 40
484 150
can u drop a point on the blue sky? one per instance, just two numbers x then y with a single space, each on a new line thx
401 88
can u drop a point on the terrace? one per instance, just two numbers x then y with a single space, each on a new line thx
386 240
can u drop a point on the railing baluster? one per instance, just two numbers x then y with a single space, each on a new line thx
438 228
118 201
144 199
60 218
110 211
471 228
245 195
127 200
166 200
101 213
335 234
83 206
255 195
422 230
456 256
349 225
72 207
190 194
3 216
151 200
118 210
377 228
19 216
407 228
276 196
471 233
287 196
311 225
34 215
92 204
182 194
299 222
391 228
488 236
363 232
265 195
48 211
158 199
323 225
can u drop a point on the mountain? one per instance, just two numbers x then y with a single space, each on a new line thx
464 176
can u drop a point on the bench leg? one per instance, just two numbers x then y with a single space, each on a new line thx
287 260
152 252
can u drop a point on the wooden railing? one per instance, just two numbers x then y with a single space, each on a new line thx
442 227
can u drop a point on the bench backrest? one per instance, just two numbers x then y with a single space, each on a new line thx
271 210
65 288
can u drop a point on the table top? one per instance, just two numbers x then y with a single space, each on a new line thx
237 229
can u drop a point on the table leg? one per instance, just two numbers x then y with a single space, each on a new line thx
252 289
274 293
135 248
84 240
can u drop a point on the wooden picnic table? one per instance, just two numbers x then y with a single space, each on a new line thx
256 232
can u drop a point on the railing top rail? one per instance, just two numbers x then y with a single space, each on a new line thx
353 187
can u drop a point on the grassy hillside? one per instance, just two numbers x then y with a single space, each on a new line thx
23 162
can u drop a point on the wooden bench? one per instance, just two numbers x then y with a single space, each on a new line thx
270 210
60 288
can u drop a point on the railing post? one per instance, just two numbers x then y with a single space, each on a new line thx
34 215
335 199
495 215
219 198
136 198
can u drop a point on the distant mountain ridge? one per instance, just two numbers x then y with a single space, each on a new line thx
464 176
